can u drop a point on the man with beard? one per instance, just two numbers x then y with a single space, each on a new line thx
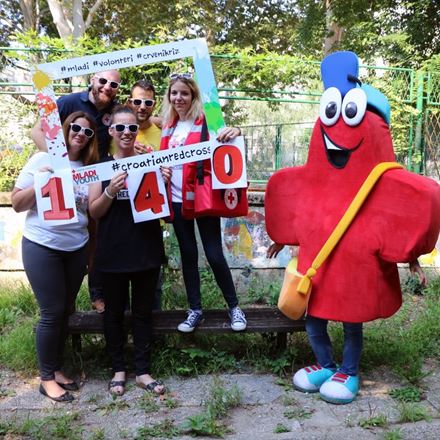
98 101
143 101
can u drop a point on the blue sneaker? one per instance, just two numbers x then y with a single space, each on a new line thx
309 379
193 319
340 388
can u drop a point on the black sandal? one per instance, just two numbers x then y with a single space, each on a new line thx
114 384
65 398
71 386
150 387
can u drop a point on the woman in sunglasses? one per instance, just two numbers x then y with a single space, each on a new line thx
183 122
127 254
55 257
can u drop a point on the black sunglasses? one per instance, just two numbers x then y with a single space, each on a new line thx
76 128
104 81
139 101
120 128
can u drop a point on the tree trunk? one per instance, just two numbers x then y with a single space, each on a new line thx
28 10
334 31
63 24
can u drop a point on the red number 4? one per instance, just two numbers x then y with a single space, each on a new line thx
148 195
54 190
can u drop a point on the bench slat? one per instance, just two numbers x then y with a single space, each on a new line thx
260 320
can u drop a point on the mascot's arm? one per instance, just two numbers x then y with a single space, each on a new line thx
410 215
281 205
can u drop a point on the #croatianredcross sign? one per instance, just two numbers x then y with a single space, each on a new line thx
54 192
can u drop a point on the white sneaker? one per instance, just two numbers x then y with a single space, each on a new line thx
238 319
193 319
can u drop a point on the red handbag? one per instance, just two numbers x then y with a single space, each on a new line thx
229 202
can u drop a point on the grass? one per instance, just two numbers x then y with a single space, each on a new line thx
147 403
112 407
61 426
412 412
407 394
379 421
280 428
164 429
401 343
393 435
298 413
209 422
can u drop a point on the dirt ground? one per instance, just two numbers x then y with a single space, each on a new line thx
267 407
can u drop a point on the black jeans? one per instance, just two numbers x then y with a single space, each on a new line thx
55 277
210 233
116 294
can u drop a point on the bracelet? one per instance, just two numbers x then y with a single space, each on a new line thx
108 195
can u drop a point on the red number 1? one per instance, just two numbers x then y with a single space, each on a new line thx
54 190
148 195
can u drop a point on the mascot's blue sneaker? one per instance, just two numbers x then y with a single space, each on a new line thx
309 379
340 388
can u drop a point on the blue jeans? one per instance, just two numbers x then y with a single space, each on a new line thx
210 233
322 347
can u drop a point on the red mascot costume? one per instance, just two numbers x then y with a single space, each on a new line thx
398 222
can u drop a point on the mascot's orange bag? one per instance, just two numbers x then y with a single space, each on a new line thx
296 288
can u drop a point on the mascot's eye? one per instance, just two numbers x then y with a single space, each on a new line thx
354 107
331 109
330 106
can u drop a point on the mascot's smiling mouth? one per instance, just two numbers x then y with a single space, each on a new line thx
337 155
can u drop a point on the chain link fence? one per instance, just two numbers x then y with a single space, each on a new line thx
276 141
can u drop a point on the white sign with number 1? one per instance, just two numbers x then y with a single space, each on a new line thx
54 196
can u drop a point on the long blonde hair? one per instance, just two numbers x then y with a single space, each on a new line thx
196 109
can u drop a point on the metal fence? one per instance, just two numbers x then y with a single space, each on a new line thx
415 107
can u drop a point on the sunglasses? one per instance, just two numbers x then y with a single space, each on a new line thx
76 128
181 75
104 81
120 128
139 101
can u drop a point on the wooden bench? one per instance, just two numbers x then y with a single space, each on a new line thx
259 320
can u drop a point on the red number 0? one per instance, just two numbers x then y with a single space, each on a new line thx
148 195
235 164
54 190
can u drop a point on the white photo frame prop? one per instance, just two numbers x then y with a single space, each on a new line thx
45 74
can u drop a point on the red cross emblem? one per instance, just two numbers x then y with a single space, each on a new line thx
231 198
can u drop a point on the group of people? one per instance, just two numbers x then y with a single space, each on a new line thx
123 258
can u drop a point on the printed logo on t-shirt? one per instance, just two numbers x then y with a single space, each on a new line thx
123 194
106 119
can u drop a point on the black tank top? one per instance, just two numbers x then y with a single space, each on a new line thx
125 246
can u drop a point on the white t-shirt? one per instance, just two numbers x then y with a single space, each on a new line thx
67 237
178 139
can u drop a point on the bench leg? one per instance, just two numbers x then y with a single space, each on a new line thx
76 343
281 341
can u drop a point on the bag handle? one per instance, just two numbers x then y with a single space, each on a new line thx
345 222
204 135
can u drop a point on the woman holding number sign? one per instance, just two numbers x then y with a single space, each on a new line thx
127 253
55 257
183 124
